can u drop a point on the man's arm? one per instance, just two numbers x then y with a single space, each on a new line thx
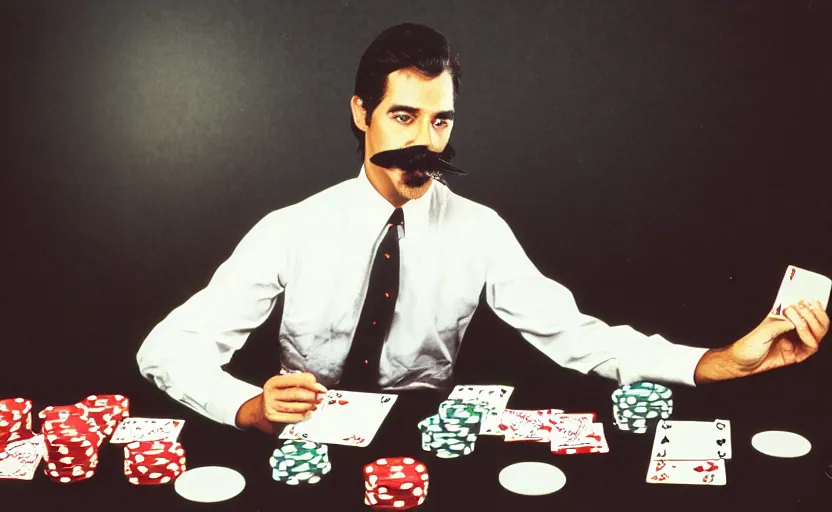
184 354
546 315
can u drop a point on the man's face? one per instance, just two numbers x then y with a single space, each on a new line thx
415 111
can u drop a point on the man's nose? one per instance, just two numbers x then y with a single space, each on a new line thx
426 136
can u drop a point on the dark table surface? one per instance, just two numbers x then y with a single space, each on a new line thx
612 481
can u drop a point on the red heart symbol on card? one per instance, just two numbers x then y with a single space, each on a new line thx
342 402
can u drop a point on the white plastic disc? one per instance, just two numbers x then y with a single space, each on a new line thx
777 443
209 484
532 478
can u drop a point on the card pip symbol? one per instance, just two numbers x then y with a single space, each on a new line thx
791 274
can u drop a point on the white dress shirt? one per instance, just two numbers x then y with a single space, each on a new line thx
318 253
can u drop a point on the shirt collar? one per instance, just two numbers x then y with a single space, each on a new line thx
375 209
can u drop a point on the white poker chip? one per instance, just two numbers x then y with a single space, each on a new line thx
777 443
209 484
532 478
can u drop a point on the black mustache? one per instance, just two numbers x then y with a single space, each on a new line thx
417 158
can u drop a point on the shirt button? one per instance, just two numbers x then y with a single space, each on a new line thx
387 294
387 255
365 362
374 322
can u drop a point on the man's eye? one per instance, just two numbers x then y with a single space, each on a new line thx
440 123
402 118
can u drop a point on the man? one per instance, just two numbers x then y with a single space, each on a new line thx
343 325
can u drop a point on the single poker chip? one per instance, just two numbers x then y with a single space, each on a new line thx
210 484
532 478
776 443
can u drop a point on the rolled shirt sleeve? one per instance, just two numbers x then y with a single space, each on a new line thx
547 316
183 355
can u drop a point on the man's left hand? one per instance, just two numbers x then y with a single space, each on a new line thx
777 342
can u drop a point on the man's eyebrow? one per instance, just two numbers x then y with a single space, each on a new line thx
445 114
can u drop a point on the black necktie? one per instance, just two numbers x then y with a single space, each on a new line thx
360 372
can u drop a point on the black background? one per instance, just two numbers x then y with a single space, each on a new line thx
664 160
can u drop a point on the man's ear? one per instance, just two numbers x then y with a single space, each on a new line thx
359 113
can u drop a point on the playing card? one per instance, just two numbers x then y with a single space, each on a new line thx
344 417
692 440
20 459
493 397
570 429
592 441
689 472
147 429
800 284
524 425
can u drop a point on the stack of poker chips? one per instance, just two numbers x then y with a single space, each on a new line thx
15 420
107 411
395 483
72 443
153 462
300 462
453 432
638 407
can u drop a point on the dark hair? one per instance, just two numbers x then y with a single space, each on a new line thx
399 47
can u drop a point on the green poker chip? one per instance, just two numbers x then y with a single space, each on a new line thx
641 391
300 462
453 432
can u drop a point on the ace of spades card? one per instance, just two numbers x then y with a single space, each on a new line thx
344 417
692 440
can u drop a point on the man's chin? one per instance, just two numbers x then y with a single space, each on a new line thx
413 190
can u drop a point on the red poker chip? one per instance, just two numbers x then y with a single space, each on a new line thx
54 412
58 452
15 405
153 462
396 483
77 475
65 469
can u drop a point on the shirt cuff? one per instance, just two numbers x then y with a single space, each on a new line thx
229 395
666 362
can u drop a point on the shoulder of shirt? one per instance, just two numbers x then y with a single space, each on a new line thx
456 205
318 205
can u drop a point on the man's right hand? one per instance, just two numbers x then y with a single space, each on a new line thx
285 399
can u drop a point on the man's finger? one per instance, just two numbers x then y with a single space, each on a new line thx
295 395
811 320
817 308
806 336
292 407
292 380
284 417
